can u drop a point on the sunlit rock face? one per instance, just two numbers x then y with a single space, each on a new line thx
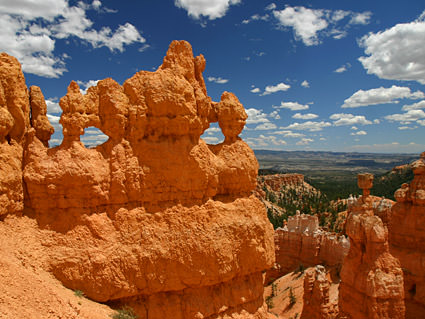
371 278
407 238
153 218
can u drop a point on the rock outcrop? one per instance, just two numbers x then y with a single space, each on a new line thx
371 278
302 242
276 181
407 238
317 303
154 218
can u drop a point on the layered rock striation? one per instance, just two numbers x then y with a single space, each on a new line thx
154 217
302 242
371 278
407 238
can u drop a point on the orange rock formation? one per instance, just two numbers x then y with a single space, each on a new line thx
317 304
154 218
407 238
371 278
302 241
276 181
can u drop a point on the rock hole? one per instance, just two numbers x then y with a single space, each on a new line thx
412 290
93 137
8 139
213 135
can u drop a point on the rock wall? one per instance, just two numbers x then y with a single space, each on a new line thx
276 181
371 278
154 217
317 303
407 238
302 241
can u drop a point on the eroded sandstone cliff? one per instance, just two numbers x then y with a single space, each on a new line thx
407 238
371 278
154 217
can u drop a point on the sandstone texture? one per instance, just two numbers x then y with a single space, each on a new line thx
154 218
302 242
407 238
371 278
317 301
276 181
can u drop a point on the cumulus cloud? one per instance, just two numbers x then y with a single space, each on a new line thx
275 115
402 128
396 53
276 88
265 127
211 139
293 106
255 90
256 116
30 30
53 106
264 141
305 84
287 133
308 126
305 141
307 116
212 9
309 24
381 95
409 116
93 137
271 6
414 106
359 133
256 17
85 85
217 80
341 119
305 22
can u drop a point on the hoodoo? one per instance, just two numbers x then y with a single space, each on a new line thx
153 218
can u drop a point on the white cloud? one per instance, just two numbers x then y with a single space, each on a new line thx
255 90
409 116
287 133
305 22
343 68
53 106
271 6
217 80
293 106
393 147
308 126
396 53
309 24
265 127
349 119
421 122
275 115
30 30
359 133
212 9
414 106
93 137
256 116
212 130
305 84
84 86
381 95
211 139
276 88
54 120
264 141
322 139
307 116
402 128
361 18
376 121
256 17
354 128
305 141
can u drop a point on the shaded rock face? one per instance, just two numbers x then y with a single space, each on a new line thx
302 241
407 238
317 304
154 217
371 278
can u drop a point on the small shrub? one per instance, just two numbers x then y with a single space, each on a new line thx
125 313
79 293
274 290
269 302
292 298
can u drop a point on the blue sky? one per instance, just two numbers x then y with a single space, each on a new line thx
312 75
